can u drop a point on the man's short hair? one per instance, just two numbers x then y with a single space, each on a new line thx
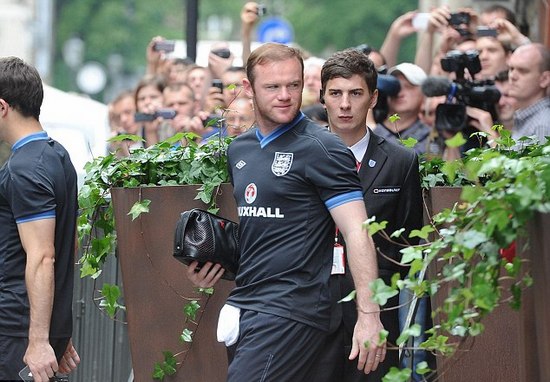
21 86
177 86
507 12
268 53
345 64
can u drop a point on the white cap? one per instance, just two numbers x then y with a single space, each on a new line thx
413 73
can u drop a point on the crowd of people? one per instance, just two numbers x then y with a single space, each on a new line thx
314 145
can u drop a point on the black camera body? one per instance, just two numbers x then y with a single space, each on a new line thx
460 21
483 95
161 113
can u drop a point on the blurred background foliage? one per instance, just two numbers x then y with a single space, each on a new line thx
123 28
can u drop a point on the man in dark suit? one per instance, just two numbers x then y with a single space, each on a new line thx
391 188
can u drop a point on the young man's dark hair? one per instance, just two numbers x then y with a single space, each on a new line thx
21 86
347 63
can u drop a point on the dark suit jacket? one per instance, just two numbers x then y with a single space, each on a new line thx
390 178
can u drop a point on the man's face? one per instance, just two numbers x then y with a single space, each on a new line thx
197 80
123 113
348 101
312 79
506 104
408 100
180 100
149 99
492 56
527 82
277 92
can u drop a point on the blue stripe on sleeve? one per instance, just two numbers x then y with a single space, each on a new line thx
40 216
338 200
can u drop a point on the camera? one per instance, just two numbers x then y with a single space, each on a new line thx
459 18
161 113
486 32
222 52
262 10
479 94
460 21
217 83
166 46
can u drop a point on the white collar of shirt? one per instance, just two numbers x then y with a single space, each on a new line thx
360 148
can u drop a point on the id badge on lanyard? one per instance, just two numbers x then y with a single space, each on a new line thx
338 258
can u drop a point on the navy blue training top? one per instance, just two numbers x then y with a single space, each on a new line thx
38 182
285 185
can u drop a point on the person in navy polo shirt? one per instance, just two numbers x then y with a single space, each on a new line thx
38 210
293 180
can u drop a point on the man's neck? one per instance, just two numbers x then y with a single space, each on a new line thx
350 137
525 104
22 128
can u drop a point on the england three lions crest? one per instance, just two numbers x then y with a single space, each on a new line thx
281 163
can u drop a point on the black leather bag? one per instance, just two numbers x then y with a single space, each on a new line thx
202 236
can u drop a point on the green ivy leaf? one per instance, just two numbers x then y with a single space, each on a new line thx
414 331
139 207
422 233
394 118
186 335
111 294
382 336
158 373
373 226
456 141
410 254
397 233
381 293
422 368
397 375
410 142
190 309
349 297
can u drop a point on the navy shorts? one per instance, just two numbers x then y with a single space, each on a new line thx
12 351
272 348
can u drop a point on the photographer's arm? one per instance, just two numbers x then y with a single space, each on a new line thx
399 29
437 22
249 17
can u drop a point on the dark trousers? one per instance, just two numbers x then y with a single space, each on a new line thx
333 364
12 351
272 348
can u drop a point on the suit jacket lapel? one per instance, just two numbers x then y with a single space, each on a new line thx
372 162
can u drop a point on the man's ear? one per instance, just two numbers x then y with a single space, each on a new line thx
373 99
545 79
247 87
3 107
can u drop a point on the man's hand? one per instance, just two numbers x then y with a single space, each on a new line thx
207 276
70 359
365 342
41 360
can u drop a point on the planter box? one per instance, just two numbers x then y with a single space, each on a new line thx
535 310
156 287
493 355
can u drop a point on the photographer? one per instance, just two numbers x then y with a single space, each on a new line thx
529 83
149 100
470 104
407 104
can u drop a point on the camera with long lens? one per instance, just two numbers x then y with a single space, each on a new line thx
483 95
